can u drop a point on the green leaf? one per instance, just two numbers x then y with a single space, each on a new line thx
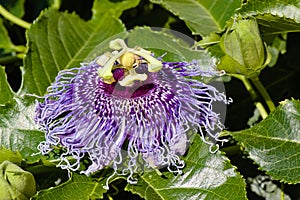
273 16
174 44
206 176
60 41
282 8
16 7
202 16
18 131
13 157
6 93
116 8
5 42
273 25
78 187
274 142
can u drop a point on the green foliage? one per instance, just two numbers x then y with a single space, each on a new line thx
202 16
18 131
281 8
5 90
245 52
16 7
115 8
206 176
78 187
5 42
59 40
274 142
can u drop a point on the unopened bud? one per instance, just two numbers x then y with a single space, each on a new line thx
15 183
245 52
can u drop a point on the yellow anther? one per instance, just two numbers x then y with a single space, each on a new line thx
126 57
154 64
127 60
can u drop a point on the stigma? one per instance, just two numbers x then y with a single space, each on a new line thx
127 58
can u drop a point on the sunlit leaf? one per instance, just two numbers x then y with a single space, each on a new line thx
202 16
116 8
173 46
60 41
78 187
274 143
273 16
6 93
206 176
18 131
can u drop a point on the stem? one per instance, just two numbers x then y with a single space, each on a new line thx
261 109
259 106
264 93
13 18
282 191
56 4
9 59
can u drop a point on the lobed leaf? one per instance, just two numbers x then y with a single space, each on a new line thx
206 176
274 142
60 41
202 16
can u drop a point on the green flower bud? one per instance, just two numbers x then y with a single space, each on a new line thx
245 52
15 183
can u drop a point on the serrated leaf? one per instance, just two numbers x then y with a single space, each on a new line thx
60 41
273 25
116 8
273 16
78 187
281 8
17 129
6 93
274 142
202 16
206 176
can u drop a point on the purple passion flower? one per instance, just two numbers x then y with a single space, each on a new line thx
126 108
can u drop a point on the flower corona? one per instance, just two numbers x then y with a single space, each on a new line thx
128 110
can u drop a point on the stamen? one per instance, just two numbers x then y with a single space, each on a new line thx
131 77
127 58
154 64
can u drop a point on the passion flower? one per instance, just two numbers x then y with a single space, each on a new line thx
126 108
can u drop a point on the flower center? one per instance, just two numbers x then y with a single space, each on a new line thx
138 89
127 58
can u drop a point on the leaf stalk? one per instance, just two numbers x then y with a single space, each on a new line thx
6 14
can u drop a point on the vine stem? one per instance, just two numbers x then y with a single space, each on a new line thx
13 18
56 4
264 93
251 91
